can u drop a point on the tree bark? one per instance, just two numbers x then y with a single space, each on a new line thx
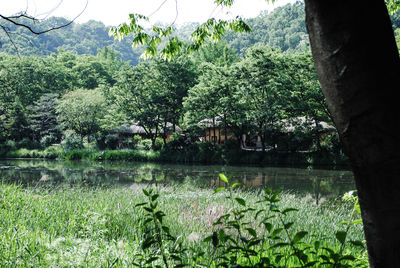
358 66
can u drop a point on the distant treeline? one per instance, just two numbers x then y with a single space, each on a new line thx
284 28
77 99
84 90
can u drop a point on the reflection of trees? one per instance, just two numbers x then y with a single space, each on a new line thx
317 183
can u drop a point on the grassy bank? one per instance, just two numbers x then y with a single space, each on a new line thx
105 227
204 153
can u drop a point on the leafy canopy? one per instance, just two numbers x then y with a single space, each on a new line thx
212 29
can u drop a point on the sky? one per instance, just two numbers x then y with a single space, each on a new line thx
114 12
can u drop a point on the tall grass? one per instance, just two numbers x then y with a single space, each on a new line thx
79 226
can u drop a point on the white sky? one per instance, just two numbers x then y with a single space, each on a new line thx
115 12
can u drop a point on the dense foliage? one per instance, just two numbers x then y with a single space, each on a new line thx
73 88
47 100
73 225
282 28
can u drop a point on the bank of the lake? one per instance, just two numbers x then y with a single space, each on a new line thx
104 226
203 153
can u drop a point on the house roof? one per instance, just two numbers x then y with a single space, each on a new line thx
303 123
285 125
136 129
208 122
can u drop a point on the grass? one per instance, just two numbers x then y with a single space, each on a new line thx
98 227
198 153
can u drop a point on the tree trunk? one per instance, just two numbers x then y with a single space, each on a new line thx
214 138
358 65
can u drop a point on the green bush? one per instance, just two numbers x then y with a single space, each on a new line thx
158 144
247 236
53 152
48 140
72 142
27 143
144 144
136 139
78 154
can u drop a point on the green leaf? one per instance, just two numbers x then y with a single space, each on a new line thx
276 232
357 207
148 261
147 243
219 189
215 240
236 184
357 243
254 242
241 201
348 257
252 232
159 215
281 244
268 226
341 236
288 225
287 210
140 204
311 264
223 178
148 209
278 258
298 236
356 221
165 229
208 239
154 197
317 244
258 213
325 258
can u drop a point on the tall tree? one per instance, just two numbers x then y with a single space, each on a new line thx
360 79
264 86
42 119
81 111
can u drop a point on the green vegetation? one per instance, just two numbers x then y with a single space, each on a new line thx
246 84
86 102
76 226
199 152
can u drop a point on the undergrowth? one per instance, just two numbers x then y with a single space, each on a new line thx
165 226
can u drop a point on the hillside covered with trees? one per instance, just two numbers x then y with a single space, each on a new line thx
283 28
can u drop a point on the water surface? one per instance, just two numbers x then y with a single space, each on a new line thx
317 183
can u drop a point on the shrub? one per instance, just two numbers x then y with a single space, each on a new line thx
136 139
144 144
238 242
48 140
27 143
72 142
53 152
158 144
78 154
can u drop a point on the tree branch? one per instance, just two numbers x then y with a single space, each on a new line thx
14 20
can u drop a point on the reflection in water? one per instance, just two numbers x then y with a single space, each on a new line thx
319 184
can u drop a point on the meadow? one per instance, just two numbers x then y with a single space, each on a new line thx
175 226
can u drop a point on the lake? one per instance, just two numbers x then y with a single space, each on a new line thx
317 183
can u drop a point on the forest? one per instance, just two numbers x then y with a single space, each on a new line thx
57 92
